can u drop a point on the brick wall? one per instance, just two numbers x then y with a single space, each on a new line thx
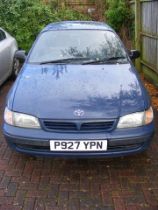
95 7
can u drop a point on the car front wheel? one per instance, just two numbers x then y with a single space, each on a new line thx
16 68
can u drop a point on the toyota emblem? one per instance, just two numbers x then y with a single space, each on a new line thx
79 112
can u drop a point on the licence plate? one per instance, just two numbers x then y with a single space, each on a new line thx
90 145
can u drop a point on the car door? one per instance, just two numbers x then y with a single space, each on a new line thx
4 56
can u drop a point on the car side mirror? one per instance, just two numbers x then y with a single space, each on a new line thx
133 54
20 55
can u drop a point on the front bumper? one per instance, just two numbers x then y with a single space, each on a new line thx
120 141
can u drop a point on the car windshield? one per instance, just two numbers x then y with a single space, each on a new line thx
77 46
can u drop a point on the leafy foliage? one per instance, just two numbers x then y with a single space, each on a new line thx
68 14
119 14
25 18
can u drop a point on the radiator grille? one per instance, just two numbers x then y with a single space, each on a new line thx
52 125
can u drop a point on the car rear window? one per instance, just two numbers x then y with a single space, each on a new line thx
2 35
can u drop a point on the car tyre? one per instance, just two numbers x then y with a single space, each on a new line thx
15 69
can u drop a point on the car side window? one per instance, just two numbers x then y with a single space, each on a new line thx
2 35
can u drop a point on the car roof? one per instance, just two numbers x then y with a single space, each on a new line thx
76 25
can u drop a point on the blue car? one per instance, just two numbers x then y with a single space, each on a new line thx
78 95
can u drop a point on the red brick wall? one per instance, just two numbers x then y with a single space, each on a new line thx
84 6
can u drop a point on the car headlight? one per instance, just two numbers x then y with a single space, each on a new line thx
136 119
20 120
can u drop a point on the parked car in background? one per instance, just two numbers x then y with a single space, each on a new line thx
9 65
78 94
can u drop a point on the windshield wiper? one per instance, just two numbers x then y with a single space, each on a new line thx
65 60
106 60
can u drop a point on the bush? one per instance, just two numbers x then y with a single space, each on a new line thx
119 14
25 18
69 14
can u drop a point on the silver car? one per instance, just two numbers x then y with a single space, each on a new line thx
8 64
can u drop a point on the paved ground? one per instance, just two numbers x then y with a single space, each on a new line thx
26 183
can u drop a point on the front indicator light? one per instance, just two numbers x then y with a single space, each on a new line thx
149 116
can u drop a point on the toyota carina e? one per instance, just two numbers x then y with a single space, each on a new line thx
78 94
